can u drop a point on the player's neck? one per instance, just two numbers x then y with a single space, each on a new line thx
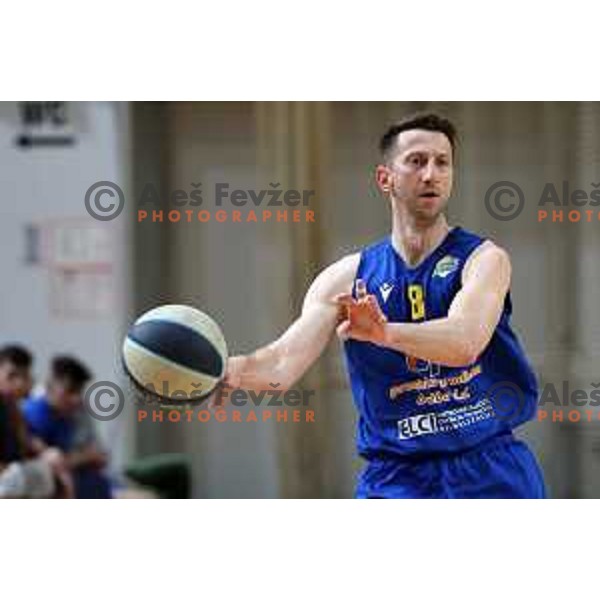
414 243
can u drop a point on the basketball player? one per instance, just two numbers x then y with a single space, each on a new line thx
424 315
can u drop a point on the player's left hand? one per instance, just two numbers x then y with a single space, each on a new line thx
364 320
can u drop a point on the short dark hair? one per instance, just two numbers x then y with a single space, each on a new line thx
70 369
19 356
426 121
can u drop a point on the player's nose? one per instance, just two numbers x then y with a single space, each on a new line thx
429 171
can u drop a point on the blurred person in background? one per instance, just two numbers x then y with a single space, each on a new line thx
16 381
58 419
26 469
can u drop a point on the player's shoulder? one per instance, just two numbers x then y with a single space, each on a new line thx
376 248
345 265
488 255
342 271
476 244
491 250
337 278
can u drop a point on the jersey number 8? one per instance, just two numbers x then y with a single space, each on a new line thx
417 312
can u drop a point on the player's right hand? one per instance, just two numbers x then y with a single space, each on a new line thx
231 380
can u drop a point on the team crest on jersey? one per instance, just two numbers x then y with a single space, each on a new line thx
445 266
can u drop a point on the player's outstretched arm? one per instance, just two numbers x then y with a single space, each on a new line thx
456 340
285 360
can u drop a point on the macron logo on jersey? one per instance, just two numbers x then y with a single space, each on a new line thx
385 289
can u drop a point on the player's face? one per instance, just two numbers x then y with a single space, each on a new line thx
15 382
419 176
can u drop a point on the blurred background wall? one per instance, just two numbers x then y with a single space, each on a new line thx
252 276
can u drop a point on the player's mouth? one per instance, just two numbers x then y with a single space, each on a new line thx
429 196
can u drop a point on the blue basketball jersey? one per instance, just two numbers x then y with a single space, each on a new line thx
411 407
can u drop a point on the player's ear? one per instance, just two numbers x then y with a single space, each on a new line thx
383 178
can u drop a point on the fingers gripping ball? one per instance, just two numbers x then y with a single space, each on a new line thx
175 352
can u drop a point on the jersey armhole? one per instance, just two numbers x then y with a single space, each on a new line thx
359 270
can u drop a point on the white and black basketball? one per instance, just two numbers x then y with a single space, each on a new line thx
175 352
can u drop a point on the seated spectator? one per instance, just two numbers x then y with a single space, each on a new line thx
26 471
16 381
58 418
15 384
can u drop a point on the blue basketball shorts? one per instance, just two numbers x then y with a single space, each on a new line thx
499 468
